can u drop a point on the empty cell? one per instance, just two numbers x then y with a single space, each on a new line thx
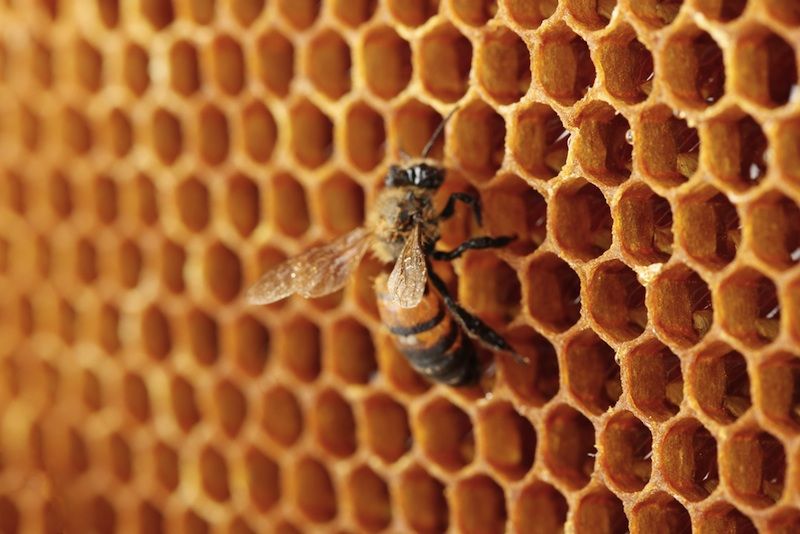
145 200
680 307
563 65
136 397
645 225
779 383
787 149
184 68
413 12
342 204
41 63
689 460
504 65
657 13
594 14
774 221
214 474
150 518
616 301
784 521
506 440
298 348
288 205
654 380
365 137
512 207
311 135
252 345
259 131
167 136
173 260
721 10
120 133
334 424
421 500
194 524
159 13
479 506
202 11
786 11
243 204
694 69
627 66
136 69
531 13
108 11
92 391
445 60
214 137
354 12
536 380
107 327
203 336
86 267
668 150
722 517
413 126
627 448
539 141
328 64
120 457
554 293
370 499
30 128
386 60
386 427
88 65
275 62
299 13
247 11
736 150
76 131
568 446
231 407
105 199
103 517
604 145
282 417
60 195
478 140
489 287
184 405
240 526
697 212
539 509
352 352
593 373
600 512
263 480
314 492
753 465
222 272
660 513
445 434
475 12
749 307
721 384
581 220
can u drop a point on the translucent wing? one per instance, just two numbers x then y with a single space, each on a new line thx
314 273
407 281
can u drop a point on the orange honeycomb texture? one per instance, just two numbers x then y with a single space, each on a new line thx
157 155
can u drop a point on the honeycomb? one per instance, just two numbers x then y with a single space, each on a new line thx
157 155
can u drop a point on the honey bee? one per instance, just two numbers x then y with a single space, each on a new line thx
427 323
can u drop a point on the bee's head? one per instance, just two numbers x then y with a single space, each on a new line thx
416 175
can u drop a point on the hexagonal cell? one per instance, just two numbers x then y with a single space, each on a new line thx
42 63
136 397
259 131
88 65
654 380
352 353
700 210
785 11
173 260
668 150
184 405
342 206
645 225
563 65
506 440
76 131
536 380
282 417
370 499
593 374
749 307
539 141
60 195
247 11
680 304
775 224
767 68
130 264
721 10
479 506
263 480
243 204
753 464
556 300
275 55
581 220
413 12
786 149
223 272
365 137
568 446
136 69
311 135
593 15
627 447
657 13
105 199
214 136
386 427
475 12
214 474
660 513
354 12
159 13
150 518
616 301
779 383
231 407
722 517
421 501
184 68
288 205
445 62
627 65
121 458
694 70
512 207
489 287
298 348
240 526
445 435
387 60
504 65
413 125
689 460
334 424
314 492
736 150
120 133
721 384
784 521
228 64
145 198
251 345
604 143
328 64
539 509
300 13
167 136
103 517
600 512
530 14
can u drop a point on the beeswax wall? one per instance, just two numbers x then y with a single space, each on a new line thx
157 155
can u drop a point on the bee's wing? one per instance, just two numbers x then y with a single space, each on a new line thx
314 273
408 278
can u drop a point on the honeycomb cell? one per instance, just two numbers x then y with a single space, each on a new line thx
784 521
136 69
365 138
288 205
668 150
626 66
536 380
92 393
564 65
593 374
657 13
616 301
785 11
173 260
413 12
228 64
203 336
749 307
30 128
421 501
723 517
130 264
600 511
60 195
136 397
108 12
581 220
627 447
644 223
311 135
504 65
539 509
103 516
214 137
259 131
165 461
387 60
753 465
722 10
342 206
479 505
506 440
689 460
445 60
239 526
352 352
247 11
88 65
779 383
231 407
775 224
184 68
556 301
159 13
512 207
252 343
184 405
275 61
282 417
654 380
107 327
680 305
413 126
334 424
604 145
263 480
354 13
299 13
694 70
445 435
121 458
146 200
736 151
593 15
105 199
299 348
203 11
490 288
194 524
120 133
77 131
539 141
767 68
660 513
223 272
387 433
707 208
167 136
328 64
243 204
370 499
150 518
314 492
42 63
530 14
214 474
568 446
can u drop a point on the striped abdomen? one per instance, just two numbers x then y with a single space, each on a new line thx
429 338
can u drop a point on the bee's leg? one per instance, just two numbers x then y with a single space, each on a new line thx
472 201
471 244
471 324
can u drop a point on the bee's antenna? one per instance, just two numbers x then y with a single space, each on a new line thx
436 133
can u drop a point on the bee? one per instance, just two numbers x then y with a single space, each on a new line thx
427 323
